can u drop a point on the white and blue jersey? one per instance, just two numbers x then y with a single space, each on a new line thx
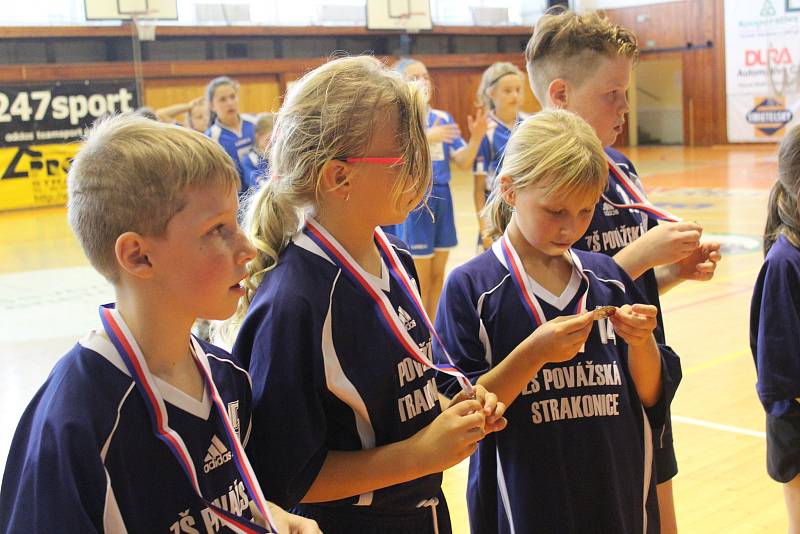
236 144
327 376
576 456
85 459
442 152
254 168
775 329
491 149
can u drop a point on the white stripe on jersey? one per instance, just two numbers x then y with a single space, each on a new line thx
648 466
483 335
501 485
104 450
342 388
112 517
617 283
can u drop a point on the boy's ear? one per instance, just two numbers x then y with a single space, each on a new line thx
506 191
335 178
557 94
131 251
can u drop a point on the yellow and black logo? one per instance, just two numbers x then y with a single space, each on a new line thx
769 116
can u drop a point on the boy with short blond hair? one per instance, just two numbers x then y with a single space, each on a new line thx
138 427
582 63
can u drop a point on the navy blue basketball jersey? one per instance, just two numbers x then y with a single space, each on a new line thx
328 376
576 456
236 144
775 329
85 459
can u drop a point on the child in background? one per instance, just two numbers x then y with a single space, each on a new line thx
138 427
583 391
500 92
775 327
430 231
254 163
233 130
582 63
196 114
348 426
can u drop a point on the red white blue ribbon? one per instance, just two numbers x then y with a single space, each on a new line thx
640 201
122 338
523 286
340 257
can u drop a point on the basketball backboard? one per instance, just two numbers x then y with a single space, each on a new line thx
409 15
127 9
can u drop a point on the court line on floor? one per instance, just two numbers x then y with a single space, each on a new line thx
722 280
713 362
718 426
671 309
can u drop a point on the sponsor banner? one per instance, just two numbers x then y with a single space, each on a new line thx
34 176
40 125
762 63
59 112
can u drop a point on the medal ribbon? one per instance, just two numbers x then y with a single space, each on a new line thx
640 199
340 257
131 354
525 292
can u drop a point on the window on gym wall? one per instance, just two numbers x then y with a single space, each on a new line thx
274 13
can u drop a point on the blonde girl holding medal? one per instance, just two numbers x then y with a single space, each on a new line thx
348 426
585 387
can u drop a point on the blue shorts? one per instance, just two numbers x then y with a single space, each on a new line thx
432 227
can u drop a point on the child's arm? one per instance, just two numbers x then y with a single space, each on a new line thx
289 448
479 199
664 244
285 522
699 265
635 325
465 156
450 438
555 341
442 133
169 114
459 325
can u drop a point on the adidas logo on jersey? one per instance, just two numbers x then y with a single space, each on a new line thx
408 321
609 210
218 454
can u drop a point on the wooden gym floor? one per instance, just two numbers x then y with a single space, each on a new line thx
48 299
